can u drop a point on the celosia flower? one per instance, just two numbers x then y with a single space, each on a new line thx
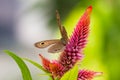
55 68
73 51
87 75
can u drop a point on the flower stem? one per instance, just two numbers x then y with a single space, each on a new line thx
53 78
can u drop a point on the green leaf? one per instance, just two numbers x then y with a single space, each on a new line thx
71 74
36 64
23 67
50 78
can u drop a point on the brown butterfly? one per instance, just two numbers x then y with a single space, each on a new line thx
57 45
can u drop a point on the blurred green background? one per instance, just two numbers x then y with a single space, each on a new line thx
102 52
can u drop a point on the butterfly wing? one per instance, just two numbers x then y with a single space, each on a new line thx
62 29
46 43
58 47
64 35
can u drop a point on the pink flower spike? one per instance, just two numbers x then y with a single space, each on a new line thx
73 51
78 38
87 75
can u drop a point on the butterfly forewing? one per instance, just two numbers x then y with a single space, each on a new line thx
62 29
46 43
64 35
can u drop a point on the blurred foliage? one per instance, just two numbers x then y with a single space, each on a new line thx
26 75
102 52
72 74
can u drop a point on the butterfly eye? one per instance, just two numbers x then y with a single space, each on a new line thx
42 43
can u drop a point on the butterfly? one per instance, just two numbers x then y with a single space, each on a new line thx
56 45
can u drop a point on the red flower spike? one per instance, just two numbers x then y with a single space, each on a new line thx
73 50
45 62
56 69
87 75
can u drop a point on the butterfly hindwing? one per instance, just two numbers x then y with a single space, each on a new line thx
55 48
